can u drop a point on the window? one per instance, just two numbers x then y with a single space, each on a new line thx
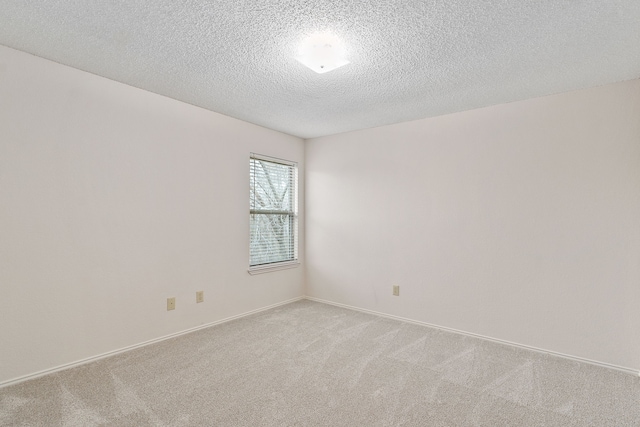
273 212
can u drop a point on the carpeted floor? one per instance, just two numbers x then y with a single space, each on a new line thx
312 364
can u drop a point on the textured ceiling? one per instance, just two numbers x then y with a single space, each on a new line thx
409 59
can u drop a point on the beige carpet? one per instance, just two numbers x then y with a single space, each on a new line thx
311 364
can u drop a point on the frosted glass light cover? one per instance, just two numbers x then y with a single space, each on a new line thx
322 53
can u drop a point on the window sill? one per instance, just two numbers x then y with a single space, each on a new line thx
273 267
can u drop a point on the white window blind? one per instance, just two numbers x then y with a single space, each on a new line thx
273 211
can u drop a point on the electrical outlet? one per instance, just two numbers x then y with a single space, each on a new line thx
171 303
200 296
396 290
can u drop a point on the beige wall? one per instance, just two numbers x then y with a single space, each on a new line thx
111 200
520 222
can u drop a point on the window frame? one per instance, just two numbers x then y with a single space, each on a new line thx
279 265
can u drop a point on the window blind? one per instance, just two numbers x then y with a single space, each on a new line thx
273 211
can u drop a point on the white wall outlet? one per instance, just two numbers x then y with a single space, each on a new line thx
396 290
171 303
199 296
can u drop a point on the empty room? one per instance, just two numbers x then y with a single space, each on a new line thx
320 213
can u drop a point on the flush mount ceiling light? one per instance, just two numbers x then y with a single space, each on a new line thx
322 53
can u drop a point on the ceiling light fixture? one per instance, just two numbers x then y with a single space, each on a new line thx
322 53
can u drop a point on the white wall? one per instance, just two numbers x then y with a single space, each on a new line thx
111 200
519 222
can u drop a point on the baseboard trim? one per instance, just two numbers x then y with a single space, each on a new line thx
471 334
142 344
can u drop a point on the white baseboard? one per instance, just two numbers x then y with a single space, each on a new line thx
142 344
228 319
456 331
